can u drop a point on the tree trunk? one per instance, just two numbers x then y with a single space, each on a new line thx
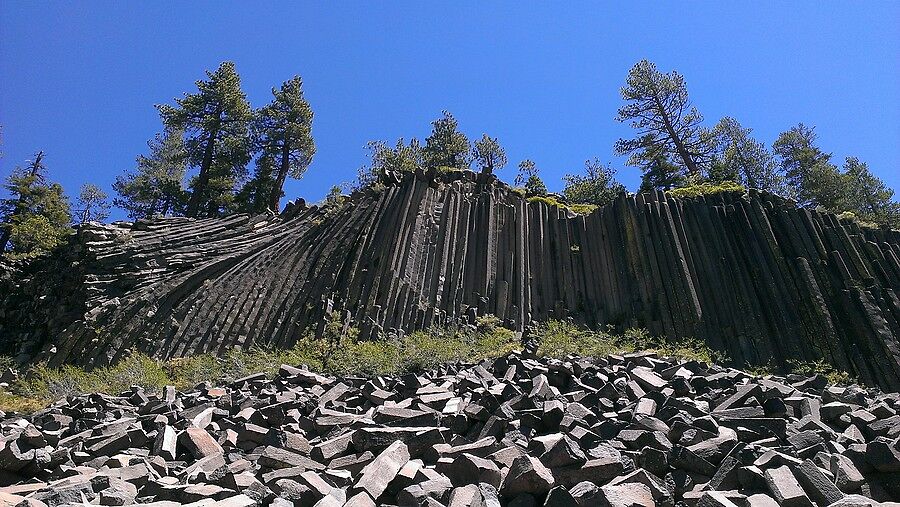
164 207
283 170
36 165
202 178
679 145
151 208
4 239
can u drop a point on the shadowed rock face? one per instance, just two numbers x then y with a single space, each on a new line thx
754 277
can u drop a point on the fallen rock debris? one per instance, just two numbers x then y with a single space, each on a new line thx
632 430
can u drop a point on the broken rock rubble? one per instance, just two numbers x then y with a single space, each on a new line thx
627 430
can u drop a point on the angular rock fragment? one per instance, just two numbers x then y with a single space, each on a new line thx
166 443
785 488
847 477
469 469
376 476
199 443
275 457
632 494
527 475
466 496
818 486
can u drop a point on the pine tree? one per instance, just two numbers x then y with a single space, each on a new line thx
867 196
597 185
156 186
283 136
216 121
382 158
92 204
446 147
488 154
334 198
742 159
256 194
529 178
668 125
36 217
808 169
659 172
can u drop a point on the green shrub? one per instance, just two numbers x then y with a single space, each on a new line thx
549 201
761 370
308 351
583 209
558 338
137 370
706 189
365 358
187 372
336 353
849 215
7 362
580 209
820 367
688 349
498 342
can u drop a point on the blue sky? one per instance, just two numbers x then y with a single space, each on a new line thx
79 79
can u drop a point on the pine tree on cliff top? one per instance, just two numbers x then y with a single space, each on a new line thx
283 136
216 121
36 217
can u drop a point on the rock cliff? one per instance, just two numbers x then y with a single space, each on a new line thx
752 275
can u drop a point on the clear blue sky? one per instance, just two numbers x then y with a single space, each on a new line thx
79 79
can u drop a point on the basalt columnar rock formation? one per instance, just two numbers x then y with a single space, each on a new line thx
752 275
620 431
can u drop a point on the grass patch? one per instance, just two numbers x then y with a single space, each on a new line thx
10 402
583 209
337 353
706 189
578 209
821 367
805 368
849 215
558 339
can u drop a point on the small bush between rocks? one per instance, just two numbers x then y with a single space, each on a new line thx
558 339
821 367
